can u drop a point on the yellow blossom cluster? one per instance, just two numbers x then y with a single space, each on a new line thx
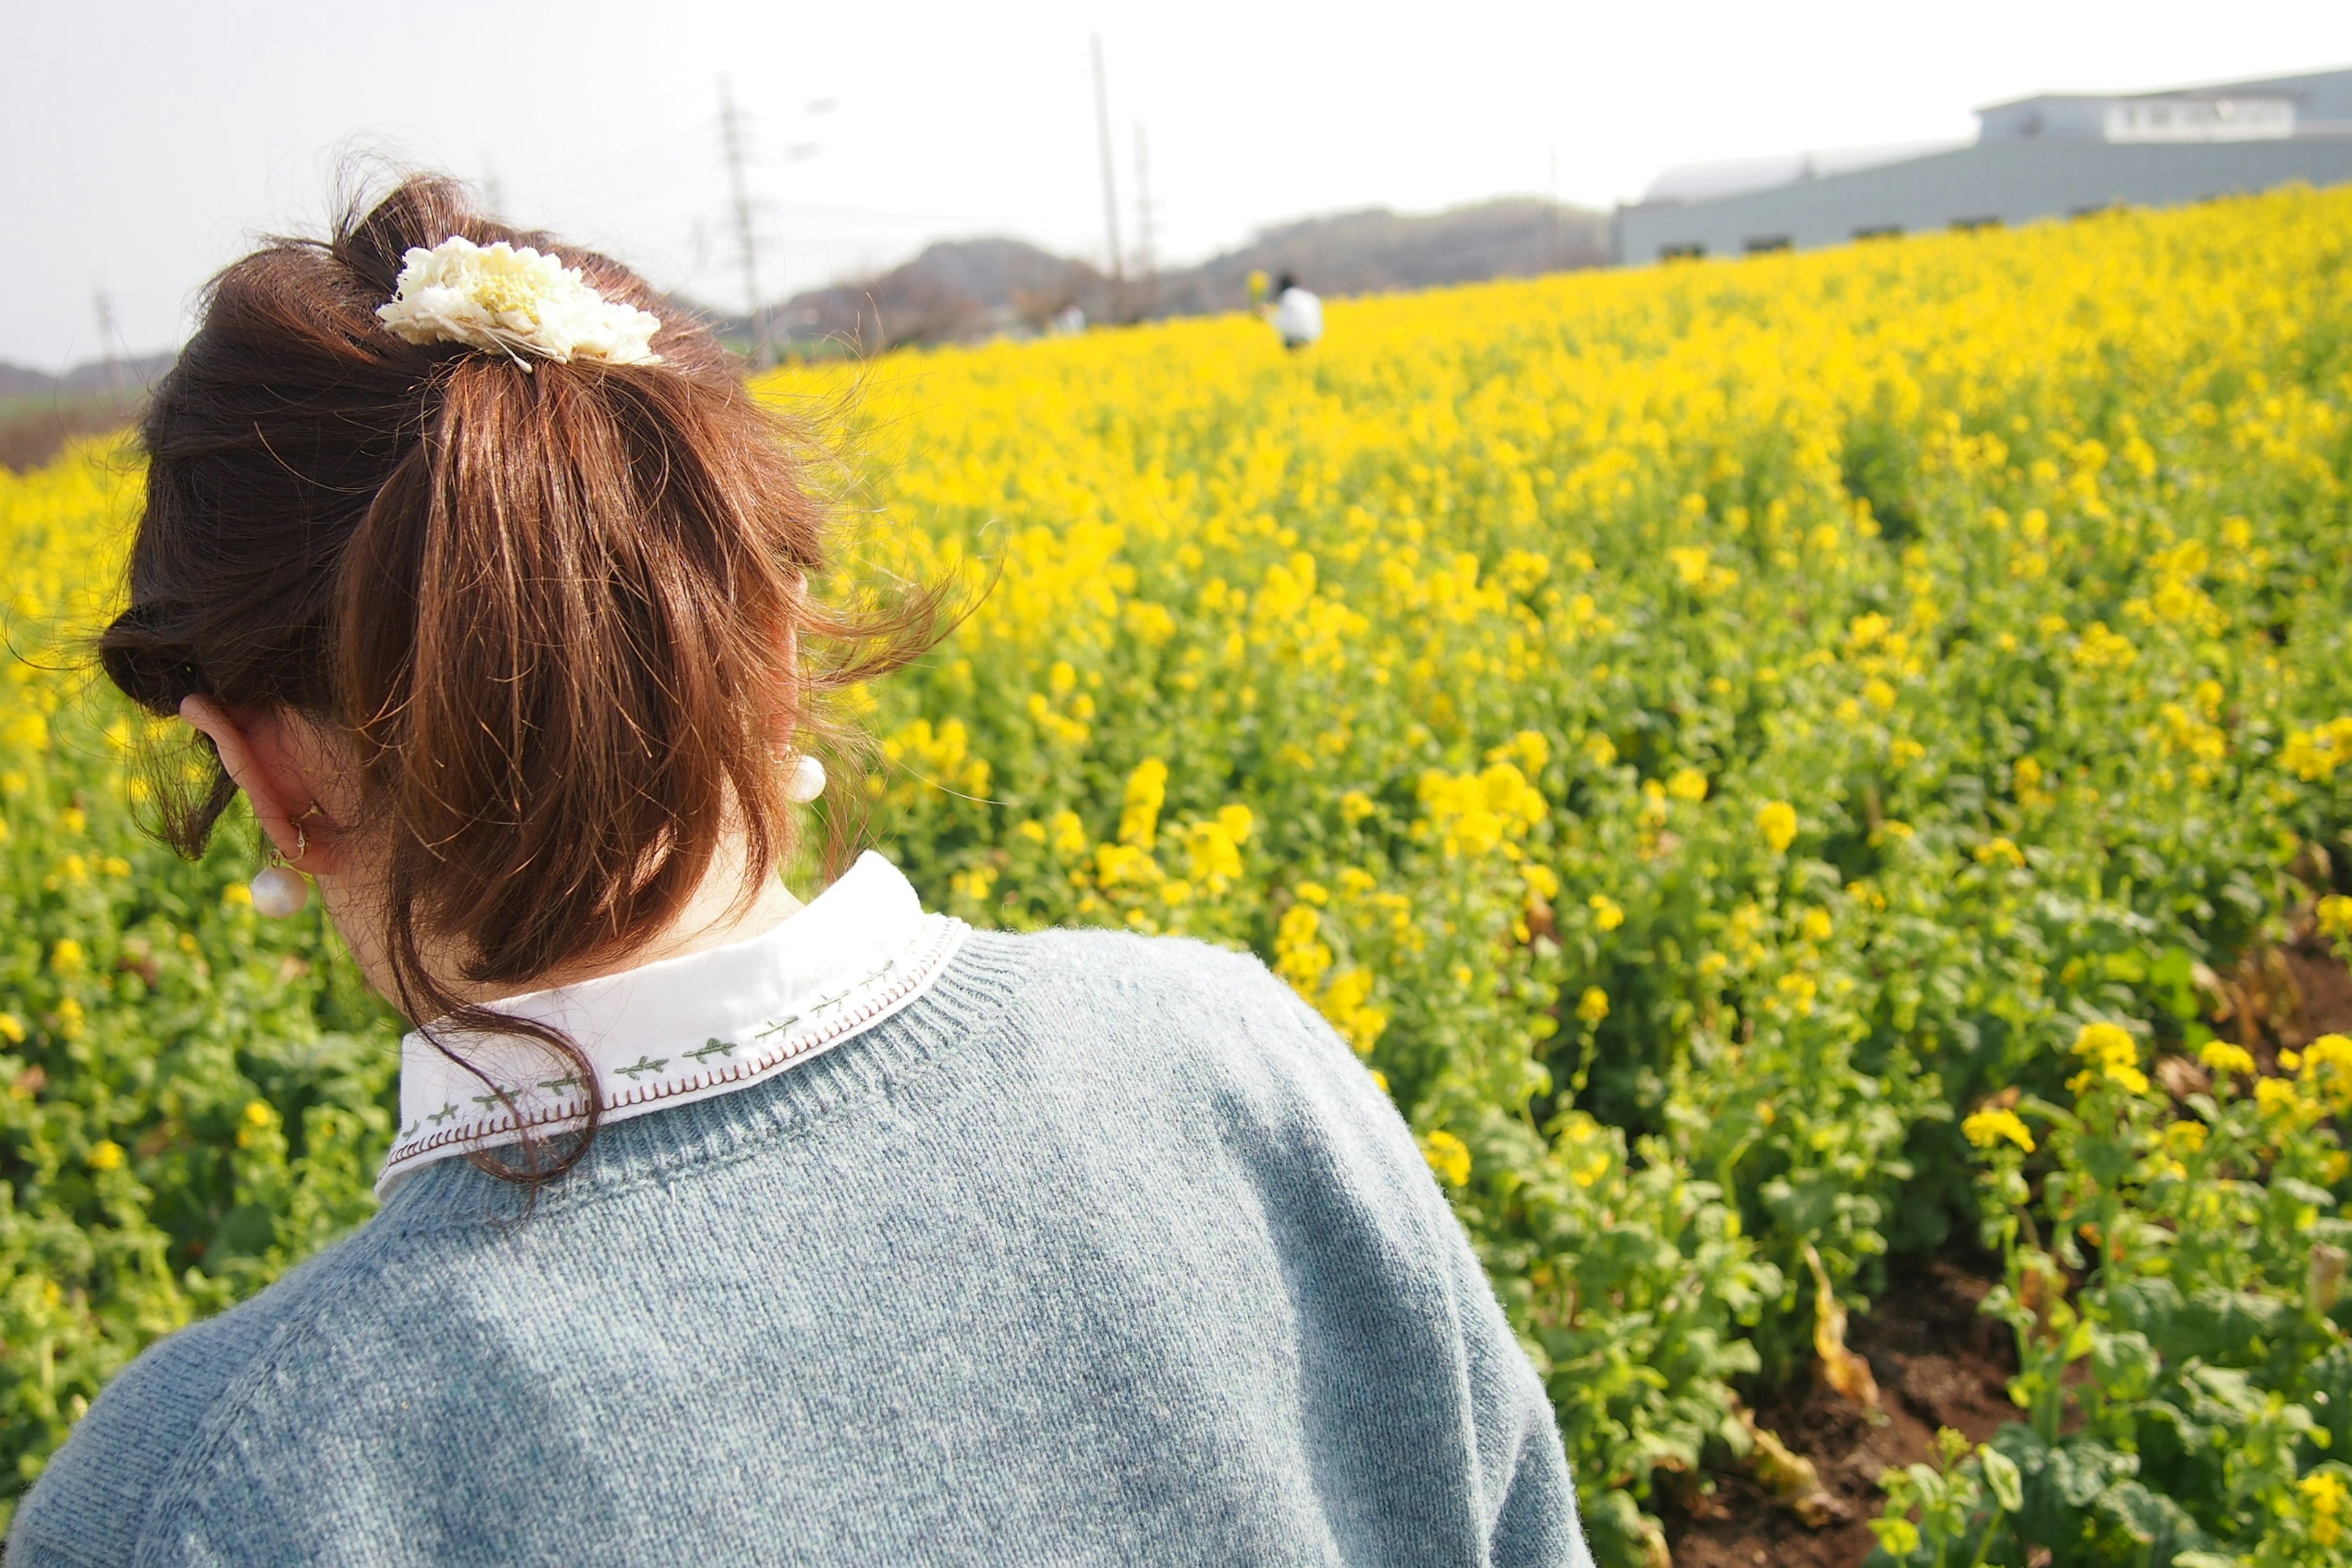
2327 1500
2333 917
1478 813
2316 753
937 758
1997 1125
1448 1156
2114 1056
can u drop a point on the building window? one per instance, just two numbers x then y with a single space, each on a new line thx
2184 118
1769 243
1967 224
1880 231
1691 251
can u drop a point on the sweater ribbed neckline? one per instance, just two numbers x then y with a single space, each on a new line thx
966 998
665 1033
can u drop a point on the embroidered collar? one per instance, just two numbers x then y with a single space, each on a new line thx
682 1029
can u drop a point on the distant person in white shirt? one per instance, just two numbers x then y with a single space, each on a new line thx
1297 313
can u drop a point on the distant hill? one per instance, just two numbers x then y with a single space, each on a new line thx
955 291
18 381
1377 251
962 290
40 411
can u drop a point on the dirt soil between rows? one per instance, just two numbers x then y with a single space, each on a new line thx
2323 987
1938 1361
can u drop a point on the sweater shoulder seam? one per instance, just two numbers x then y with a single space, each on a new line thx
294 1322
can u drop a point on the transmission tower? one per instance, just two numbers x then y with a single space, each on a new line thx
106 340
1110 175
1551 216
1146 248
731 137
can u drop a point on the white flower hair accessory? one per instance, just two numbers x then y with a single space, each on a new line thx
516 302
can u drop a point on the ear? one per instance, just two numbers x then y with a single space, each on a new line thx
782 711
279 774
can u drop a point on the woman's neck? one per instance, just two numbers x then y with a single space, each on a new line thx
711 919
716 916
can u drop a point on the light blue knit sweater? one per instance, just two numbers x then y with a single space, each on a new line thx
1105 1251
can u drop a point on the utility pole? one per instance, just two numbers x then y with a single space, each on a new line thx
731 137
1147 251
1110 182
106 338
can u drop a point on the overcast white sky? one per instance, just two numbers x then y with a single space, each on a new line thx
148 140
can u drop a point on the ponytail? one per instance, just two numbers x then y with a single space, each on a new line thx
564 612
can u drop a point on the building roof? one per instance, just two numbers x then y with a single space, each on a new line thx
2317 95
2314 103
1733 176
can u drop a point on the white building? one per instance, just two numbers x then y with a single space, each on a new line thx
2051 156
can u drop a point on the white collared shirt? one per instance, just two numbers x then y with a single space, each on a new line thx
681 1029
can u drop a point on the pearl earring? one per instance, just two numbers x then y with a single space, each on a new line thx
278 890
807 781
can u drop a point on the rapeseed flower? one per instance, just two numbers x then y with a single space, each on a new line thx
2315 754
1448 1156
2325 1497
2222 1057
1999 852
2102 651
1986 1128
1147 791
2335 917
2114 1054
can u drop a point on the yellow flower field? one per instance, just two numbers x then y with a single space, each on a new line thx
1761 760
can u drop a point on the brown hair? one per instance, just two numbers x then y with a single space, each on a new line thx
561 610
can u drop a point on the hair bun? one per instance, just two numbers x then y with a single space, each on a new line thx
153 668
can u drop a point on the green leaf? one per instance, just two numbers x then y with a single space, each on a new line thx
2002 1477
2124 1365
2138 1510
